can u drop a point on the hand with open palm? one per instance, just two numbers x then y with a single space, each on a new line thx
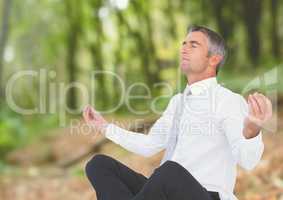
260 111
94 119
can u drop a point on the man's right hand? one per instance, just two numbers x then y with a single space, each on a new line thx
94 119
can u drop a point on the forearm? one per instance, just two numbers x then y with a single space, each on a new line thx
250 151
142 144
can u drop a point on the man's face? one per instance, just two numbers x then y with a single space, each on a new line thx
194 53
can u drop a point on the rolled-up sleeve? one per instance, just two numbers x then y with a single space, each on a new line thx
145 144
246 152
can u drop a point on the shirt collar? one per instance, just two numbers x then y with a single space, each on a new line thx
201 86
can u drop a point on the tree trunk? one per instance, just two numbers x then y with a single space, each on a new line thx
171 20
96 48
274 29
119 68
6 8
141 46
73 14
146 45
252 10
225 24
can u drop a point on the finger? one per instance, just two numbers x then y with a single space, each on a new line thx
253 116
251 109
88 114
262 104
95 114
85 108
91 114
255 106
268 105
269 108
256 99
85 113
252 104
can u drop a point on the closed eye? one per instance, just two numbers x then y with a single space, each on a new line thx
194 44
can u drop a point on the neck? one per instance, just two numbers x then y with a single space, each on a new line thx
192 78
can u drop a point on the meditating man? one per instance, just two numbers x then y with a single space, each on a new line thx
206 130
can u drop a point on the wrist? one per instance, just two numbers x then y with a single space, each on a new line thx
251 132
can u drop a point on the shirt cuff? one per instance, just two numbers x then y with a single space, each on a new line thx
253 144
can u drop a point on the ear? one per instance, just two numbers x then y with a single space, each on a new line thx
214 60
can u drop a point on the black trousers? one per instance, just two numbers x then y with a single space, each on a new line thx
112 180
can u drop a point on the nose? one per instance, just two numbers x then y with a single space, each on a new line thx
184 51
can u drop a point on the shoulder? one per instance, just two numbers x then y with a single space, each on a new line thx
230 99
228 95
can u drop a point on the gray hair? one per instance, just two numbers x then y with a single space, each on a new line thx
216 42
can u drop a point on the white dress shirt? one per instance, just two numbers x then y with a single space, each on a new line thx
210 142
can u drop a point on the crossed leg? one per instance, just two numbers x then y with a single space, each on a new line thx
112 180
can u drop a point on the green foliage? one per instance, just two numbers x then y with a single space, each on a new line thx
12 131
17 131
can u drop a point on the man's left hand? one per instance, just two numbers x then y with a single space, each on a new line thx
260 111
